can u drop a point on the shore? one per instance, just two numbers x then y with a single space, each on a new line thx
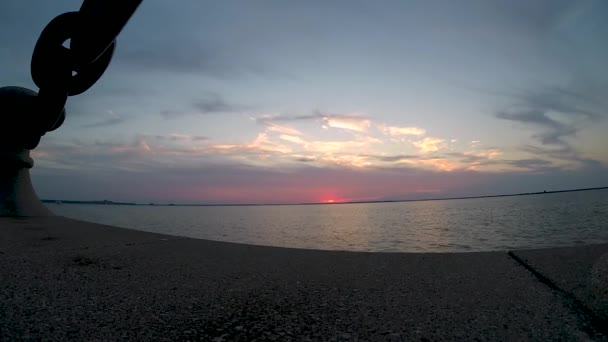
62 279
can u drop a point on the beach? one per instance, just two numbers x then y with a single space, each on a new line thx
64 279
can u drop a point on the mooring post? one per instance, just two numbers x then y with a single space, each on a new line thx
17 195
59 72
21 130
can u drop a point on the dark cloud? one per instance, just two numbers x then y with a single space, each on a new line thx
554 131
558 114
539 109
567 153
560 152
303 117
464 158
192 38
111 121
394 158
175 137
211 103
532 164
286 118
166 113
214 103
186 57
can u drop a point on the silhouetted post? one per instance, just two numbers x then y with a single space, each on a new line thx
22 127
59 72
17 196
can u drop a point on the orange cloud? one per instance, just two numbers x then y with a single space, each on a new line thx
429 144
272 127
396 131
349 146
350 123
292 139
261 144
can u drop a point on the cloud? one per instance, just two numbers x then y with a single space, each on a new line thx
272 127
131 177
554 131
352 123
393 158
182 52
174 137
439 164
112 120
262 145
396 131
558 113
169 168
214 103
429 144
210 103
567 156
264 119
292 139
533 164
345 153
269 119
356 146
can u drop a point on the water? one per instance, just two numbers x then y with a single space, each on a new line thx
488 224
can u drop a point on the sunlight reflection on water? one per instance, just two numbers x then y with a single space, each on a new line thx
488 224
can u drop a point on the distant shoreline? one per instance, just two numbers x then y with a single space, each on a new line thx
106 202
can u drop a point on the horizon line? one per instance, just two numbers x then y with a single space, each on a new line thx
109 202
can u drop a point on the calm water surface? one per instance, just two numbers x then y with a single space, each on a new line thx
488 224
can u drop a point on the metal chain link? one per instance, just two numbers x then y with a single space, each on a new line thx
60 72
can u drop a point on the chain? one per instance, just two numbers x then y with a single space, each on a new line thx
59 71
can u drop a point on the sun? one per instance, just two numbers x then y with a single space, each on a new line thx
329 201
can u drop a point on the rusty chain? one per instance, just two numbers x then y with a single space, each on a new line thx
60 71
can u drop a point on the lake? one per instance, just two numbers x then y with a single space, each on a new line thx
485 224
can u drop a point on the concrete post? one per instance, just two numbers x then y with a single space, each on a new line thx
21 126
17 195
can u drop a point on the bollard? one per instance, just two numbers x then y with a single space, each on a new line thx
59 72
20 132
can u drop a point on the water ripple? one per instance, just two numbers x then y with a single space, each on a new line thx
550 220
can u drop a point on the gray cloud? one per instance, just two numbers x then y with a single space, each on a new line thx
554 131
210 103
286 118
193 38
465 158
536 109
186 57
303 117
558 114
214 103
135 172
536 164
563 153
394 158
111 121
175 137
157 181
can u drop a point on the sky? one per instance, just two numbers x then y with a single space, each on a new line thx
316 101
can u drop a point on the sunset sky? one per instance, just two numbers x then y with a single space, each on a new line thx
310 101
